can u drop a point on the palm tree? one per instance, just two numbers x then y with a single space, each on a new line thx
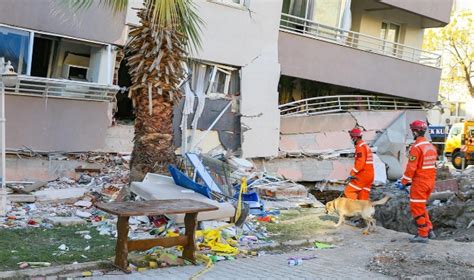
156 56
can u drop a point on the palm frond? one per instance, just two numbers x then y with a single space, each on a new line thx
115 5
180 14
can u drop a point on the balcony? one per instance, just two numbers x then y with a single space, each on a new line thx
61 88
343 103
316 52
311 29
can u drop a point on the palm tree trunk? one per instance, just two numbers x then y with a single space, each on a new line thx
155 60
153 146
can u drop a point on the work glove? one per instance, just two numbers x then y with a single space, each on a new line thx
350 178
402 187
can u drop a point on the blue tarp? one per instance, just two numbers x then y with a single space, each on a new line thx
184 181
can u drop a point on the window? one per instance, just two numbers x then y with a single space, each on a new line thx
14 47
231 2
215 79
462 109
390 32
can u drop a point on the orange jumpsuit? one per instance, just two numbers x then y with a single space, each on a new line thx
421 173
363 171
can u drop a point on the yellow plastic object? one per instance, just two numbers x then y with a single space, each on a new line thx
205 259
213 240
243 188
153 265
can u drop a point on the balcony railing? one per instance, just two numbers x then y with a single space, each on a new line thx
356 40
57 88
340 103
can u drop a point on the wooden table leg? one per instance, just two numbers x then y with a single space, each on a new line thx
121 248
190 222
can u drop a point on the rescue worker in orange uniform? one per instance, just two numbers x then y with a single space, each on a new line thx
362 174
421 174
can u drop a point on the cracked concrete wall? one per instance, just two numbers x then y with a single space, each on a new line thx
248 38
318 134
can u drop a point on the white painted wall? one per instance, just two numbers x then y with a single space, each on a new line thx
248 37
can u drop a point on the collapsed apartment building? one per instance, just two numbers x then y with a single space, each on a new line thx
278 81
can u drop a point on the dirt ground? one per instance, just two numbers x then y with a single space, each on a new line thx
388 252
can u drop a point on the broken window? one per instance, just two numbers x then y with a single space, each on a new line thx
14 47
47 56
215 79
232 2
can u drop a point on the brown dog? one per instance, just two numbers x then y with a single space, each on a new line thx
346 207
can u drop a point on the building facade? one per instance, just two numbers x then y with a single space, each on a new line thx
274 61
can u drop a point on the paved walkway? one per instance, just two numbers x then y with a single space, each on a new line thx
329 264
436 260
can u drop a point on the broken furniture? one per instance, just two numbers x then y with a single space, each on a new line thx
124 210
155 186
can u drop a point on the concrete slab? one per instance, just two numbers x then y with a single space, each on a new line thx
60 194
34 169
156 186
21 198
66 221
308 169
119 139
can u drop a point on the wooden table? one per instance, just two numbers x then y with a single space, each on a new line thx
124 210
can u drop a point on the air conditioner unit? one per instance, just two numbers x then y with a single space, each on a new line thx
75 72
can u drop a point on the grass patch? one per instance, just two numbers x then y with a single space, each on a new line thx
41 245
307 224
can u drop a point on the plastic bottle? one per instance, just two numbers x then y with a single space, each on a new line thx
295 261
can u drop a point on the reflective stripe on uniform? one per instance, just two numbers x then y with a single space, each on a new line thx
355 170
417 200
369 162
366 189
406 178
355 187
429 167
422 143
361 144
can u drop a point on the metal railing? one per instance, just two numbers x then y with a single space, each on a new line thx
341 103
309 28
57 88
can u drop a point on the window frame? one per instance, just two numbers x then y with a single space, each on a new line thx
397 40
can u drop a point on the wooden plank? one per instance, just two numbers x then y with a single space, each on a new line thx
121 247
155 207
190 222
145 244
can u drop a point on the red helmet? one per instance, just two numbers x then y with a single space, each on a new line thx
418 125
355 132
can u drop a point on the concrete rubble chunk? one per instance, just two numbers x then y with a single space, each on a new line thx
21 198
66 221
60 194
83 203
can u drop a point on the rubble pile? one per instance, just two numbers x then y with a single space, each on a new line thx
67 201
451 210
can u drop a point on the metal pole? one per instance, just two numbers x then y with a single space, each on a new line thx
3 194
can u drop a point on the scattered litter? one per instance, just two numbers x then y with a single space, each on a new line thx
83 203
83 214
63 247
321 245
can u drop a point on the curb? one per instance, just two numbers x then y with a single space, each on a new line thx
54 270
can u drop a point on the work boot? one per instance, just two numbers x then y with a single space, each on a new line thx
431 234
419 239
